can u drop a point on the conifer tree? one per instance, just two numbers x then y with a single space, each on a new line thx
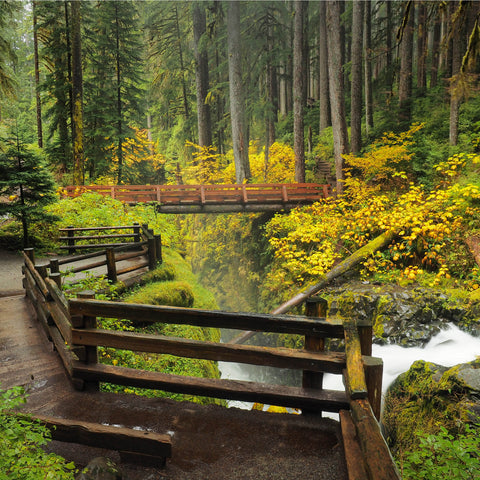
112 89
26 186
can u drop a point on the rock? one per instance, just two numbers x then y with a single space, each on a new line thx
406 316
101 468
427 397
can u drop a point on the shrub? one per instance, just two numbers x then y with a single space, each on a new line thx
21 441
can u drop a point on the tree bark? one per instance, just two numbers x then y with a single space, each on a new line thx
299 91
323 73
119 99
201 76
237 101
435 62
37 79
368 68
339 125
422 36
458 49
406 62
356 89
77 96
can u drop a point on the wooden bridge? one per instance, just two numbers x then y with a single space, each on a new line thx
211 198
190 440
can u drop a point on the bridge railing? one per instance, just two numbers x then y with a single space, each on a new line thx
208 194
109 252
72 326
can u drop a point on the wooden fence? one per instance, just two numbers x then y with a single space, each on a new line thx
211 198
71 325
146 246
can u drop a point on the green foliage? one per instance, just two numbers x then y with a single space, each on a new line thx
443 456
26 186
21 441
92 209
174 293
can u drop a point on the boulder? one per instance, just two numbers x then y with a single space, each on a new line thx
427 397
406 316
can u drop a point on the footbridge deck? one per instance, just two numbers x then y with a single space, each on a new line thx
222 198
49 344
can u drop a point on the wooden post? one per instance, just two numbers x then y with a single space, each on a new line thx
57 278
30 253
158 248
42 270
54 265
111 265
91 353
314 307
136 231
71 240
151 253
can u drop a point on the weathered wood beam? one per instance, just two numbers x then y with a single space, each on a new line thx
331 362
296 324
295 397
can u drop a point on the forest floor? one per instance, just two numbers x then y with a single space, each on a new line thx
209 442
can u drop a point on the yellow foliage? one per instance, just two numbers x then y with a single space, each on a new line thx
307 242
210 167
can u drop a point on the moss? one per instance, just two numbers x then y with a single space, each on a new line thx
175 294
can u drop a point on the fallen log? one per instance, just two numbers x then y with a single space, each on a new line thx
343 267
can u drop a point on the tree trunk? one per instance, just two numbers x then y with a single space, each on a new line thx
119 100
37 79
237 101
368 68
458 49
77 96
186 109
406 62
356 89
201 76
339 125
435 65
388 44
422 36
323 73
299 91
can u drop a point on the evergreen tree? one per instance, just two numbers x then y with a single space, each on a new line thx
112 85
26 186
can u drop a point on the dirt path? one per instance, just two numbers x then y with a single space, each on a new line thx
10 273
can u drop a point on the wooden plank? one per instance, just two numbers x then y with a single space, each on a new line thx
108 436
66 355
355 381
61 321
374 379
295 397
353 453
378 459
98 245
85 229
296 324
137 266
331 362
36 276
57 296
98 237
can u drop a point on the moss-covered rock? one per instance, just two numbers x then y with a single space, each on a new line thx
400 315
427 397
173 293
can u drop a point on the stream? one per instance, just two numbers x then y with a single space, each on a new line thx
450 347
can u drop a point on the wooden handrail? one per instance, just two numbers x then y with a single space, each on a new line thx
69 325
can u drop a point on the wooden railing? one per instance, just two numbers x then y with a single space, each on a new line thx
108 251
71 325
209 196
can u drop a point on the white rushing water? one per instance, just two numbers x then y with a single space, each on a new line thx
450 347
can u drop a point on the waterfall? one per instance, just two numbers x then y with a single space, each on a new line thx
450 347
